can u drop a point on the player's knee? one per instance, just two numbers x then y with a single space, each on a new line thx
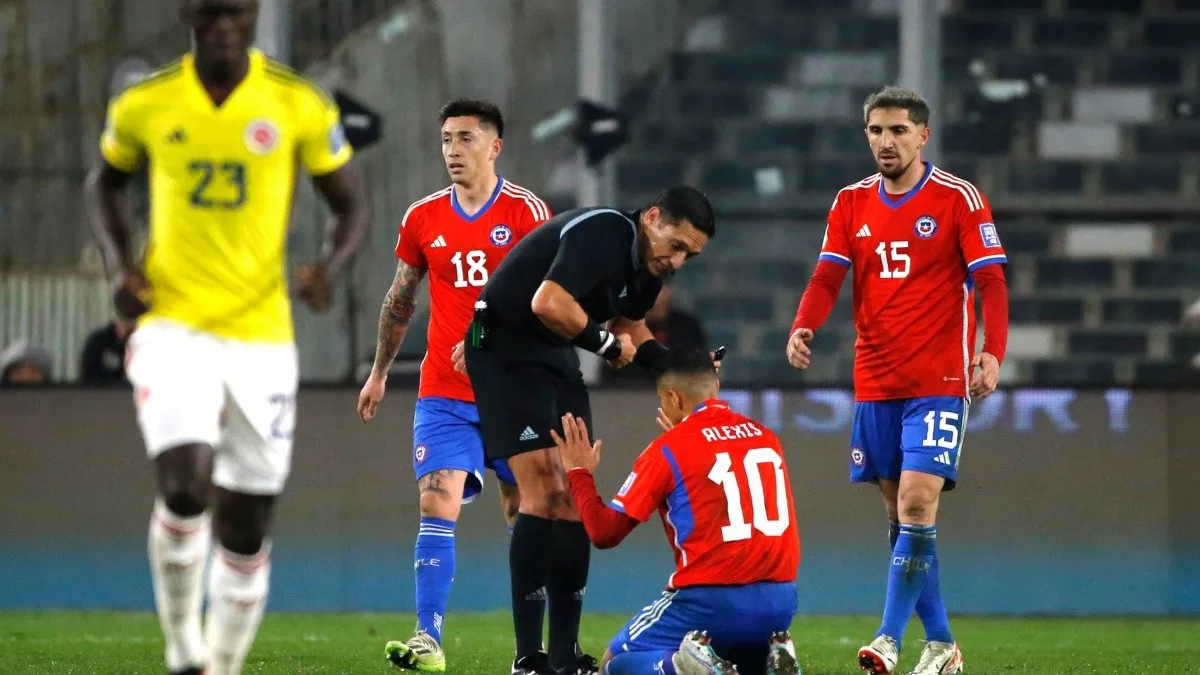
438 504
242 527
916 506
240 538
186 498
917 502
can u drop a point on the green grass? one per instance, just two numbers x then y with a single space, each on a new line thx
481 644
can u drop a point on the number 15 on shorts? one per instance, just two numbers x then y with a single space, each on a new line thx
943 431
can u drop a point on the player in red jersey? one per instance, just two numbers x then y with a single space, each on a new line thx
720 484
457 236
920 241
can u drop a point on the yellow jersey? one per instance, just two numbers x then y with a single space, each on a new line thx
221 185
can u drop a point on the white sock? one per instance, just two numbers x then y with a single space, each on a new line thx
178 548
237 597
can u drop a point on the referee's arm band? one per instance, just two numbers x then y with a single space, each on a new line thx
651 355
598 341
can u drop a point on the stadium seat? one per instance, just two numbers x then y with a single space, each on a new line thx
1083 342
686 138
1074 32
1159 69
1142 310
1064 177
969 34
1141 177
1074 274
1051 310
1166 273
1075 372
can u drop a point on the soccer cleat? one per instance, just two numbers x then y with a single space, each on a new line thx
939 658
585 664
535 664
420 652
781 655
697 657
879 657
189 671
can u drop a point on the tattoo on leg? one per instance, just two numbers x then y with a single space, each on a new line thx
435 482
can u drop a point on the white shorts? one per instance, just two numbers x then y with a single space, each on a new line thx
238 397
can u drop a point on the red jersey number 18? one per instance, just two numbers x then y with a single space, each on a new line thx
475 272
721 474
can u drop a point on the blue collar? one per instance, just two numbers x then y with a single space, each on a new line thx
491 200
897 203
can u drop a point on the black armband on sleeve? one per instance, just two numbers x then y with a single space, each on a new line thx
651 355
598 341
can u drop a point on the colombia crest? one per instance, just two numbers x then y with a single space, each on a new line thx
261 137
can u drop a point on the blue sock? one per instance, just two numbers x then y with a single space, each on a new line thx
929 604
641 663
911 561
435 572
930 608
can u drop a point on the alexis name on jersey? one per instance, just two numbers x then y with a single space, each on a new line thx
729 433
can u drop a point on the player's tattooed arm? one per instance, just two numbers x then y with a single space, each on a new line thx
398 307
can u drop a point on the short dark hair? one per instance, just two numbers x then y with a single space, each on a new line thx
682 202
898 97
487 112
687 362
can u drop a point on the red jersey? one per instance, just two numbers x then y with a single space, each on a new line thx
460 252
911 256
721 486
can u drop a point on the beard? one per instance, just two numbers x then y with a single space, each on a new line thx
895 173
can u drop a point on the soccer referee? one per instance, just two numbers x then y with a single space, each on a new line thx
551 294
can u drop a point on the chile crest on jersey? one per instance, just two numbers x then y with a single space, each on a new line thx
925 227
501 235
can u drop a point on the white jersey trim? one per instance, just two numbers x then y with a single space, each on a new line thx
537 207
969 192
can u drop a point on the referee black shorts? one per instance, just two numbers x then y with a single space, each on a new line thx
523 387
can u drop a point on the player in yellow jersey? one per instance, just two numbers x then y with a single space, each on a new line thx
213 360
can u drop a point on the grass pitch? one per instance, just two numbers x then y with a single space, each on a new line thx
481 644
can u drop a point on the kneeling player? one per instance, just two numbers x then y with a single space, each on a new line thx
719 481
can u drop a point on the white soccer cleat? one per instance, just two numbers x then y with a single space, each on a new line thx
939 658
781 655
696 657
879 657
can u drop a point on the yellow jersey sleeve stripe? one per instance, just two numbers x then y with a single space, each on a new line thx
289 77
165 74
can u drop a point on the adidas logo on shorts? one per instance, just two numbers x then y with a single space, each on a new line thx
529 434
943 458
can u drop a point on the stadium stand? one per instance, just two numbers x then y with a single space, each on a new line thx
1073 116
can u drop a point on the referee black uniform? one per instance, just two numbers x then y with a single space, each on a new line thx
526 377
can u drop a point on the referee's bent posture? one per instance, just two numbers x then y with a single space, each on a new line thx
578 270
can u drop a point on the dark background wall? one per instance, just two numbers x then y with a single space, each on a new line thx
1069 502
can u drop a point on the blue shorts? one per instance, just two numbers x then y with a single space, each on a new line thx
740 620
446 435
913 434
